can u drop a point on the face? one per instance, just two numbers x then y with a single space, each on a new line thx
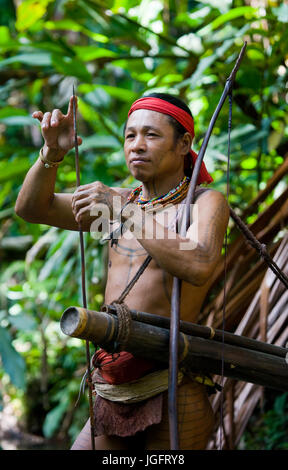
150 148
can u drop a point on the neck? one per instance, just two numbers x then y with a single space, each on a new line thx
156 187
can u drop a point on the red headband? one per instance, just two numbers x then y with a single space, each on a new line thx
184 118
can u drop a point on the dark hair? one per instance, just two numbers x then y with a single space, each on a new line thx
179 130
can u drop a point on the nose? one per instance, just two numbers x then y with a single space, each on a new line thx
138 144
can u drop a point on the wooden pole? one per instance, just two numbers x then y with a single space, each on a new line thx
230 406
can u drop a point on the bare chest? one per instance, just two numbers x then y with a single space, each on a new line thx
152 291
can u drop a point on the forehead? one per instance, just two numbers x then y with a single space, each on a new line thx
146 117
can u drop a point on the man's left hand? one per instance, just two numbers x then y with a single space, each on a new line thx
87 197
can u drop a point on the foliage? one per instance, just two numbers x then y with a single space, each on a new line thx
114 52
269 432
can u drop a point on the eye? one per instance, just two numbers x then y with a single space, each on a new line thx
129 136
152 134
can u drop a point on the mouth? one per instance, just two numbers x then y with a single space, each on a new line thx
139 161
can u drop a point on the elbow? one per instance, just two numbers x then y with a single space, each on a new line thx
24 214
19 210
201 276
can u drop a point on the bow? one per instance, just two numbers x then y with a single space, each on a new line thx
176 290
82 254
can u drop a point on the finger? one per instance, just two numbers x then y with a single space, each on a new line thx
45 124
77 199
81 203
82 212
96 185
71 106
56 117
78 192
83 189
38 115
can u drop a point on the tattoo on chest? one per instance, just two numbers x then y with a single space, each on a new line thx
123 250
131 254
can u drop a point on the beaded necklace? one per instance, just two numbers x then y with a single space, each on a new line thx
176 194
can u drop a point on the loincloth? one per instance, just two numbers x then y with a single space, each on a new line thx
111 417
117 419
128 393
125 378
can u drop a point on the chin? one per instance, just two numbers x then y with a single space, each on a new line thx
140 175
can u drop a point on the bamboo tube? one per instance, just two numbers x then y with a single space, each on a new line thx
196 353
205 332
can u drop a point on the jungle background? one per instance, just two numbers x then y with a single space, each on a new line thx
113 52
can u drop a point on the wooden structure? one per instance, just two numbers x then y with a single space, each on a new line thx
256 304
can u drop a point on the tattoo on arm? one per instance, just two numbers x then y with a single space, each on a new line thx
211 238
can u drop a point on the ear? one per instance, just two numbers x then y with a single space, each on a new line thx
186 142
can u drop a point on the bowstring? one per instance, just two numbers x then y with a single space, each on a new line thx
230 97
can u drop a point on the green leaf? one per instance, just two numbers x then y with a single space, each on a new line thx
18 121
122 94
281 13
99 142
203 64
4 35
249 163
70 25
246 11
13 363
22 321
71 67
30 11
88 53
39 59
53 418
9 111
13 169
53 263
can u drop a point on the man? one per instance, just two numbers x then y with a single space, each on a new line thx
158 137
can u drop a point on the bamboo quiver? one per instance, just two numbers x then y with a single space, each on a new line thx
264 365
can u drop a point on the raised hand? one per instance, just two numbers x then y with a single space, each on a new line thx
58 131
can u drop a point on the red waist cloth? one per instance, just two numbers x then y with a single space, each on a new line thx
118 368
118 419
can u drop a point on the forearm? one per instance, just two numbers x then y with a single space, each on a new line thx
37 193
185 258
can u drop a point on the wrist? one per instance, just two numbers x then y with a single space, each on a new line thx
48 162
52 154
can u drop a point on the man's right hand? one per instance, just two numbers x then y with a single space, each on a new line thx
58 132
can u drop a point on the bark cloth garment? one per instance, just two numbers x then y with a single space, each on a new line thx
129 392
122 419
